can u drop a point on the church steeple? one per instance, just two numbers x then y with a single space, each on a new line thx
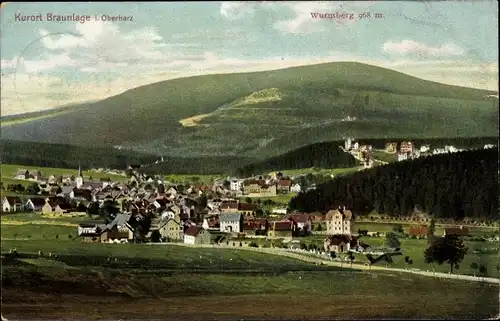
79 179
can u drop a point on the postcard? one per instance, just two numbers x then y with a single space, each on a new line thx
260 160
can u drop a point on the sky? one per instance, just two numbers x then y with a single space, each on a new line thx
47 64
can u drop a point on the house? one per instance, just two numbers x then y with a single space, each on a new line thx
279 210
119 230
391 147
339 221
211 224
171 229
259 188
231 222
418 231
339 243
91 232
403 156
406 147
235 184
296 188
22 174
196 235
229 206
12 204
284 228
284 185
459 231
302 220
246 209
63 208
425 148
35 204
255 227
82 194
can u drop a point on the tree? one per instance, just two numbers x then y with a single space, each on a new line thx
483 269
392 240
350 256
431 230
33 189
108 210
93 209
398 228
319 227
155 236
202 201
81 208
248 200
408 261
474 266
449 249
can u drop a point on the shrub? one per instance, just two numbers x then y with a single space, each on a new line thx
57 236
70 236
252 244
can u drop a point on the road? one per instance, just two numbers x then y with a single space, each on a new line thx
299 256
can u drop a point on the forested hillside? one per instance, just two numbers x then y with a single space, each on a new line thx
457 185
321 155
68 156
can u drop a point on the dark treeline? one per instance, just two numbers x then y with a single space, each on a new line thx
321 155
69 156
457 185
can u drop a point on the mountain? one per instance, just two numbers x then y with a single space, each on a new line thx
263 114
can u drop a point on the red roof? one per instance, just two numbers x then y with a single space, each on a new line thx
13 200
299 217
193 230
282 225
418 231
254 224
245 207
460 231
229 205
285 182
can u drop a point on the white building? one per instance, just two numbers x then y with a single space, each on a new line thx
231 222
196 235
424 148
236 184
402 157
12 204
450 149
487 146
296 188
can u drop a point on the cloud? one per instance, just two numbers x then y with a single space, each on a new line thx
406 47
295 17
236 10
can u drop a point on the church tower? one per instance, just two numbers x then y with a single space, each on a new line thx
79 179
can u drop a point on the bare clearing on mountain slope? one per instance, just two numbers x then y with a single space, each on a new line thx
261 96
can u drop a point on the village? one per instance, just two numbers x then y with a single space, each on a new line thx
147 209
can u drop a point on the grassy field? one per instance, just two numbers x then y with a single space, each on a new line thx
323 171
383 156
313 101
191 178
488 254
87 287
8 171
283 199
92 280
